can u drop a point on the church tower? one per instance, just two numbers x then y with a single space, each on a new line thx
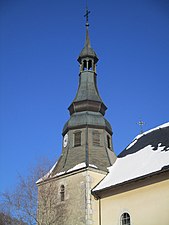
65 192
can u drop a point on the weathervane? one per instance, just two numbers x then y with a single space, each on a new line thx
87 15
141 124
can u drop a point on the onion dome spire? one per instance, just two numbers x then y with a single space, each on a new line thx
87 57
87 98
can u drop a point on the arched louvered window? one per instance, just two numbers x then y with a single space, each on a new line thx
96 138
62 193
77 139
125 219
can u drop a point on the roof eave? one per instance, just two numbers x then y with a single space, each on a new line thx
141 181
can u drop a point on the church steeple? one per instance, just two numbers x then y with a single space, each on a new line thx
87 135
87 97
87 57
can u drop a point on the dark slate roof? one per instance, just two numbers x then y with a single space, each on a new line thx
148 153
87 51
87 89
94 119
154 137
87 97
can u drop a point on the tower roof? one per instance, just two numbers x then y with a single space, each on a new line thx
87 97
87 51
87 133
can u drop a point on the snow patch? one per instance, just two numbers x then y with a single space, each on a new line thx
132 143
79 166
91 165
58 174
47 175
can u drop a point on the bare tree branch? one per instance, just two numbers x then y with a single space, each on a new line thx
22 203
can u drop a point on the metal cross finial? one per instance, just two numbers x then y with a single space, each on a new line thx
141 124
87 15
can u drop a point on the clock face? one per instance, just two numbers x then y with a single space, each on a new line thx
65 140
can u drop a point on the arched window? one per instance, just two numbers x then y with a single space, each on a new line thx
87 65
62 193
84 65
90 65
125 219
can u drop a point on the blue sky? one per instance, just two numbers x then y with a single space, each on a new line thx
39 45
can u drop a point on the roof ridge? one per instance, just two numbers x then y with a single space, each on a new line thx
151 130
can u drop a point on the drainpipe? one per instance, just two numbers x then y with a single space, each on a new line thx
100 215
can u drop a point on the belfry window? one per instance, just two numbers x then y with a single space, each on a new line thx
62 193
108 142
125 219
87 65
90 65
96 138
77 139
84 65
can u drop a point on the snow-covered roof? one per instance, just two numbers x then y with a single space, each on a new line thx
46 175
147 153
75 168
